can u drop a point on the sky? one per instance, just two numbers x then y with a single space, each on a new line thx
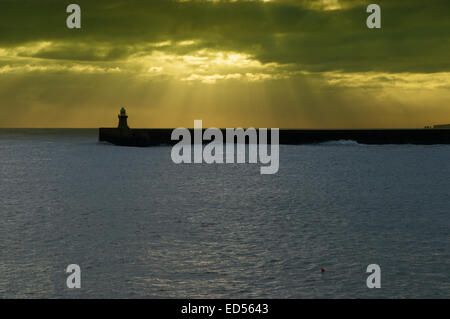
279 63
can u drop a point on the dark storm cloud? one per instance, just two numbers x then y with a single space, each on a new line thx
413 38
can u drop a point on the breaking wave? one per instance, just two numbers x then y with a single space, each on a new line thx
341 142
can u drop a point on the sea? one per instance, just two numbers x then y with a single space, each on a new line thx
140 226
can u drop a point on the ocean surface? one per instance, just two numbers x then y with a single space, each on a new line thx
140 226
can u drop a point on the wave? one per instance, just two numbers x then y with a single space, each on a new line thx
341 142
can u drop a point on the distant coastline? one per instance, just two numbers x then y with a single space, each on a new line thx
442 126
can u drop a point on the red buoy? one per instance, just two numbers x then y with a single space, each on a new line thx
322 269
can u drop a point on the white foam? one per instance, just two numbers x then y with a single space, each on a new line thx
341 142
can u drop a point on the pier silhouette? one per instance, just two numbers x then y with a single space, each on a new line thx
125 136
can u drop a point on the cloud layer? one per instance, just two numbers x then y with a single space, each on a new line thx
279 63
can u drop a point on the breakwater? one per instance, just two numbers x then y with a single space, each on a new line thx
153 137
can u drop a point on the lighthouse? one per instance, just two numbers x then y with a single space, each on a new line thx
123 119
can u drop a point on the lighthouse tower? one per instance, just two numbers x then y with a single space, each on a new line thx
123 119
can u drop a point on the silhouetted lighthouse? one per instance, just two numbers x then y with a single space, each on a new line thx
123 119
